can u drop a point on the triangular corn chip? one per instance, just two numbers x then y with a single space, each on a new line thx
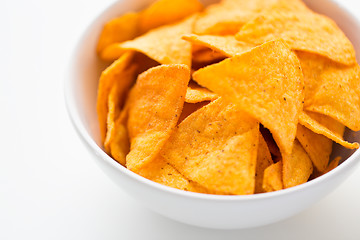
227 17
332 89
309 122
273 177
302 30
116 72
118 30
163 44
196 94
297 166
162 172
155 106
317 146
216 146
266 82
227 45
263 161
164 12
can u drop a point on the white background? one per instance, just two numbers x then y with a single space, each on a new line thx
50 188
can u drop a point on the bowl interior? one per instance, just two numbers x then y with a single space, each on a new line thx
86 68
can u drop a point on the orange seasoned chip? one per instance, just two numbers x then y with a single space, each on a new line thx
155 106
118 30
334 133
296 26
263 161
162 172
164 12
317 146
297 166
227 17
273 177
225 45
266 82
115 73
163 44
196 94
189 108
216 146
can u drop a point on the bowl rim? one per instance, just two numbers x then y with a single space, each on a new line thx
89 142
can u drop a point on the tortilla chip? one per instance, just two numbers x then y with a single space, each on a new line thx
297 166
333 164
263 161
196 94
118 30
164 12
297 28
306 120
163 44
155 107
317 146
226 45
227 17
162 172
114 73
205 56
266 82
216 146
273 177
189 108
332 89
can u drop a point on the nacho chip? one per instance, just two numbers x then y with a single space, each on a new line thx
297 28
155 107
196 94
114 73
317 146
216 146
205 56
306 120
266 82
118 30
163 44
263 161
226 45
162 172
189 108
164 12
297 166
227 17
273 177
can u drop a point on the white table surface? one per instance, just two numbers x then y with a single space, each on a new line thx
50 188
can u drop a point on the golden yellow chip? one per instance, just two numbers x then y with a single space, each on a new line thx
273 177
227 17
302 30
116 72
226 45
205 56
297 166
164 12
162 172
118 30
196 94
216 146
266 82
163 44
309 122
155 106
263 161
317 146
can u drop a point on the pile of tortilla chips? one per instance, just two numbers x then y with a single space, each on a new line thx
240 97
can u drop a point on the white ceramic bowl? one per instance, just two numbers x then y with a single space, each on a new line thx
223 212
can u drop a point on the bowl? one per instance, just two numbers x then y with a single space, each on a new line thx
211 211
